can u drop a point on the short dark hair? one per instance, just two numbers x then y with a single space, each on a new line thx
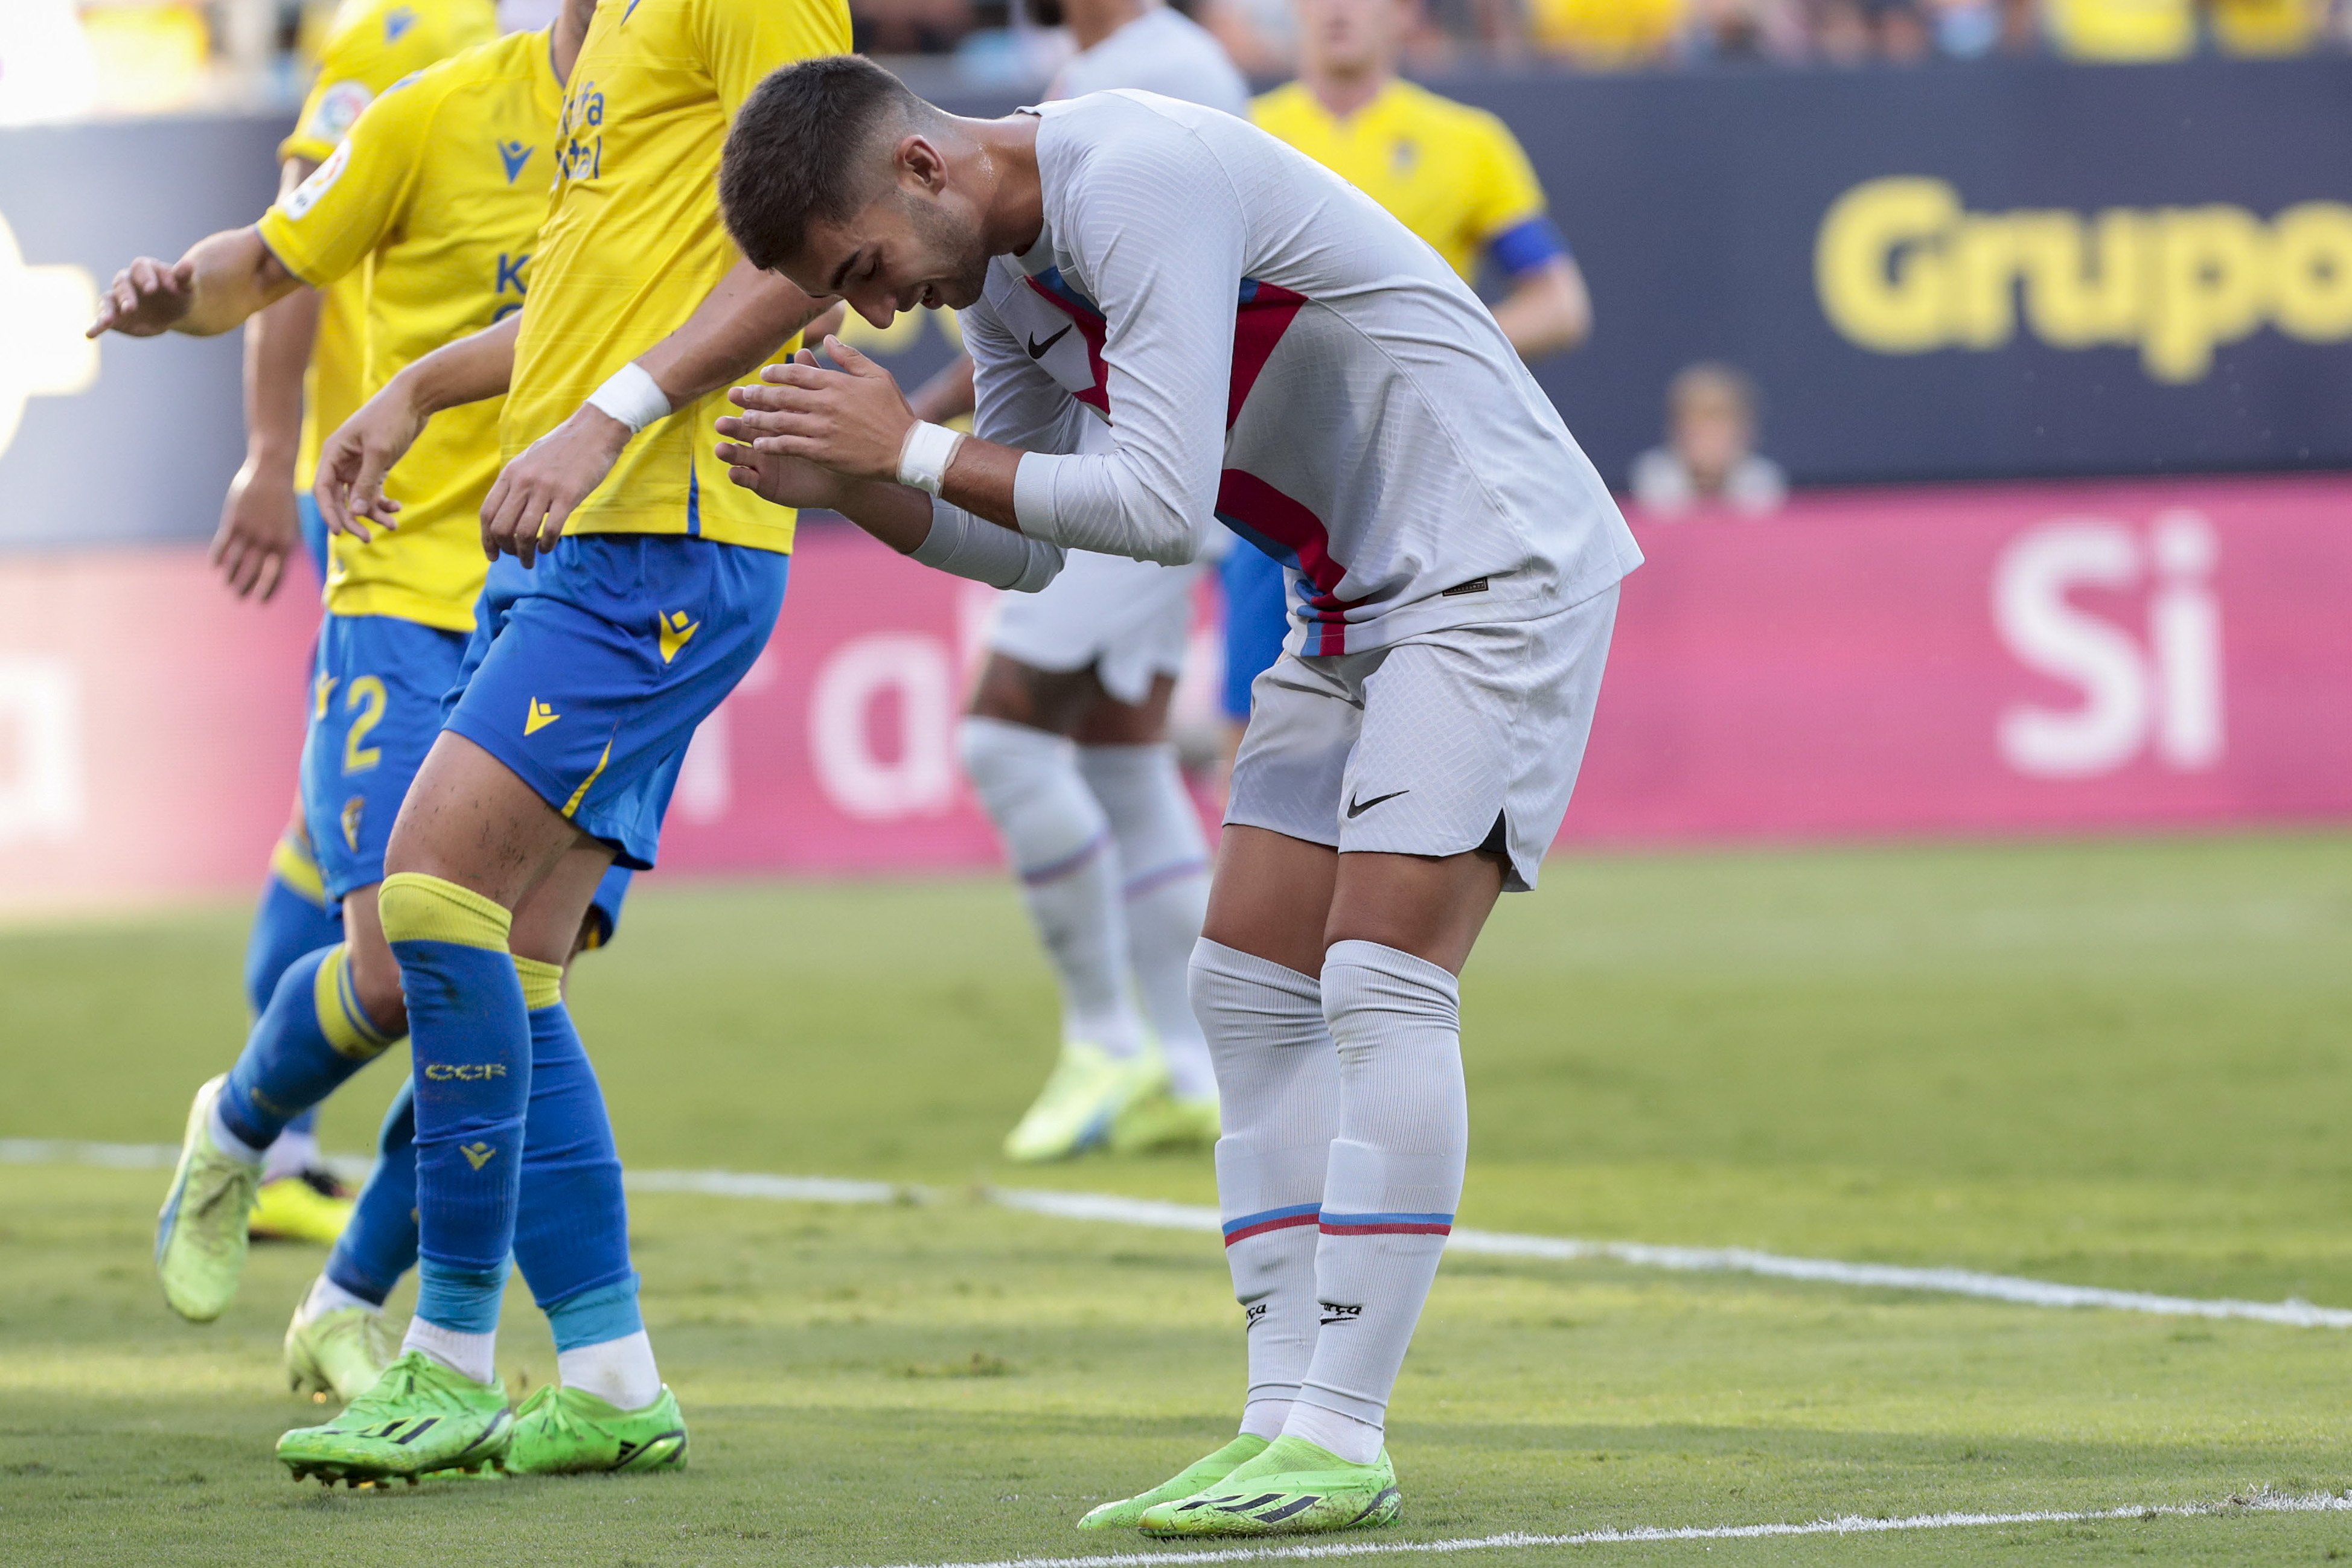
797 153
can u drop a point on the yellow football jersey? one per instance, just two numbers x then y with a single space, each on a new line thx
2123 30
440 186
370 45
1453 174
633 242
1606 33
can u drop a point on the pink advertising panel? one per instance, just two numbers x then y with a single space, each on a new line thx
1976 660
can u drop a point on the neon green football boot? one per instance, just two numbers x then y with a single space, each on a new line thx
1295 1487
566 1431
1160 1120
200 1237
418 1417
337 1355
1198 1476
1089 1090
305 1207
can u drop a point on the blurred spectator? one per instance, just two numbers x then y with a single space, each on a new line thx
1261 36
1606 35
1709 458
910 27
2122 30
1743 30
2267 27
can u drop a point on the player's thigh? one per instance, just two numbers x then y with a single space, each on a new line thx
376 692
471 820
1013 693
549 921
1110 722
1271 897
1430 906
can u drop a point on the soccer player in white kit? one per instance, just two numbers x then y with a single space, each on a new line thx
1254 339
1066 738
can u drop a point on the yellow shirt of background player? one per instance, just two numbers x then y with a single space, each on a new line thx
1451 173
442 185
370 45
634 241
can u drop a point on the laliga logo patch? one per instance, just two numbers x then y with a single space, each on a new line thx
338 106
323 180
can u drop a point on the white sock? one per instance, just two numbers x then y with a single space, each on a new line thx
290 1155
1264 1417
325 1297
1278 1079
620 1370
1165 860
1396 1175
1060 845
470 1355
232 1145
1357 1442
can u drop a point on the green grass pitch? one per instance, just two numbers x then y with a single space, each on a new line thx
2117 1064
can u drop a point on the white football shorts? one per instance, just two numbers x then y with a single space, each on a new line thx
1130 620
1466 737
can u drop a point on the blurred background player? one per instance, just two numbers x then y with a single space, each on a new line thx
302 376
1453 174
1065 740
437 195
658 583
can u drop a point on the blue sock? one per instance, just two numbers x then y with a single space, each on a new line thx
312 1037
379 1245
470 1036
293 918
571 1234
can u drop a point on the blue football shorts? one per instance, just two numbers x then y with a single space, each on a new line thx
314 530
376 690
1257 620
588 678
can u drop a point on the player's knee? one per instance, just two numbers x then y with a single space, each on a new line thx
375 981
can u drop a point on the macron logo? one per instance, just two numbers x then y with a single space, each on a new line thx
396 22
514 155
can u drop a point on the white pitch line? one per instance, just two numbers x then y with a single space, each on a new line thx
1152 1214
2261 1502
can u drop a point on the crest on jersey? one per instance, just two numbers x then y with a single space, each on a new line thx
514 155
396 22
338 107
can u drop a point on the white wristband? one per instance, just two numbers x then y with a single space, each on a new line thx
923 460
633 397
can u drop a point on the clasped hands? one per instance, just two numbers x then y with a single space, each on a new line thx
807 431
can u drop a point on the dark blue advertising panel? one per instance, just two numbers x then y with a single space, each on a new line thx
1964 271
1988 271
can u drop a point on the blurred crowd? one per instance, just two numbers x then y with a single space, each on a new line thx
64 59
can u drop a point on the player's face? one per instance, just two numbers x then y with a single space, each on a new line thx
1353 35
903 251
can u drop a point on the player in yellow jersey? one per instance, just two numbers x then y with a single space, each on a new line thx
1453 174
302 356
658 583
440 190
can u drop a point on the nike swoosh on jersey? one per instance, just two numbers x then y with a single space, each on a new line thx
1037 349
1357 807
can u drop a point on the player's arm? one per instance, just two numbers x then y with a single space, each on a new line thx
1169 369
259 526
741 322
223 279
363 448
1547 309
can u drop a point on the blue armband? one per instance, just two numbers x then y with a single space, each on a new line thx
1526 246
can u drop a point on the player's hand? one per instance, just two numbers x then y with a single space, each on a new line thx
853 420
773 477
525 512
259 527
146 298
353 462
